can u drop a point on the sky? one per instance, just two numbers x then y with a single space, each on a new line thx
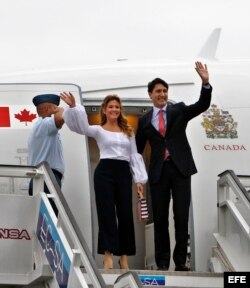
44 34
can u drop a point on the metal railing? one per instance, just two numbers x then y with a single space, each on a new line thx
233 235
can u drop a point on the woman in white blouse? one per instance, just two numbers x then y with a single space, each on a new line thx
119 163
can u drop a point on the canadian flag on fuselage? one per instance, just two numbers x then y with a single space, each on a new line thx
4 117
17 116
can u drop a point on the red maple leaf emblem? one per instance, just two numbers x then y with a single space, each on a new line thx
25 116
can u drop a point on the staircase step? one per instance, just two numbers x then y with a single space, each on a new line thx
169 279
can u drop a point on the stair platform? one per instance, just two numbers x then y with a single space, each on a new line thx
167 278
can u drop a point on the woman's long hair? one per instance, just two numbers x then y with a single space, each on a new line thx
121 120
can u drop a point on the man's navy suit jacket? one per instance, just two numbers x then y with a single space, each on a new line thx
175 139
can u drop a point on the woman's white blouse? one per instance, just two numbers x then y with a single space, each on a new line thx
112 145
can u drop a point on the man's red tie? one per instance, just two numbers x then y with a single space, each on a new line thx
162 130
162 125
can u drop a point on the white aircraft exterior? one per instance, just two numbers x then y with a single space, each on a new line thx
219 137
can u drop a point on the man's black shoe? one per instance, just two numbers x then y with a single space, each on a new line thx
163 268
182 268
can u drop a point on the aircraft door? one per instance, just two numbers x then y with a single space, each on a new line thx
137 261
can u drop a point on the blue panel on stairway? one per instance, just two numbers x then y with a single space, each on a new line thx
152 280
53 247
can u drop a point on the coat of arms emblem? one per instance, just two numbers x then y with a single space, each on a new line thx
219 123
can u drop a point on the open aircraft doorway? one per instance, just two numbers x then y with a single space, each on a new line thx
144 232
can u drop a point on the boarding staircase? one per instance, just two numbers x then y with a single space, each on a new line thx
39 249
232 252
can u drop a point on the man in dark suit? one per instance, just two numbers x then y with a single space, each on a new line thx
171 165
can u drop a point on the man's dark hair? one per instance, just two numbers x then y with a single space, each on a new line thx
151 85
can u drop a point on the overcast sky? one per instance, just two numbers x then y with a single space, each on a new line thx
54 33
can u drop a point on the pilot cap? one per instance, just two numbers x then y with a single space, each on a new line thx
46 98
